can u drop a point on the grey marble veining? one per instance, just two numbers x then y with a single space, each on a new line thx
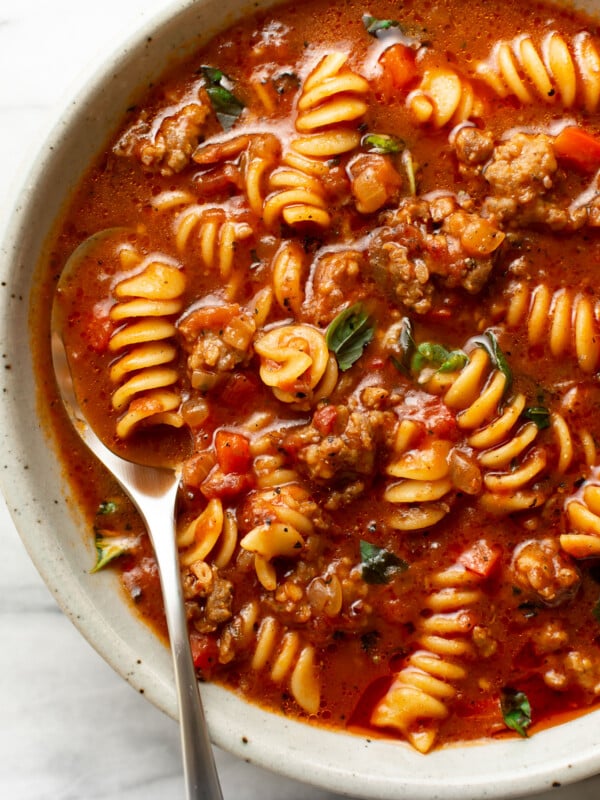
70 728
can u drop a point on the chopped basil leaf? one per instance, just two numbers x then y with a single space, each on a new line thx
516 710
382 143
374 26
107 507
538 414
489 342
379 565
109 547
218 87
438 356
348 334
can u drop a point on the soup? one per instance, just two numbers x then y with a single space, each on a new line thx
340 266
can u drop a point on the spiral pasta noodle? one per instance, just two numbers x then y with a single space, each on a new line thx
144 373
424 480
296 364
332 95
329 108
270 463
285 657
285 528
566 442
511 464
582 511
418 699
288 272
554 68
562 320
443 97
211 534
248 160
217 238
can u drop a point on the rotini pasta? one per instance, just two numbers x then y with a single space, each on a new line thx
443 97
511 465
296 364
332 97
285 525
563 321
418 699
285 657
424 480
212 533
144 373
554 68
582 538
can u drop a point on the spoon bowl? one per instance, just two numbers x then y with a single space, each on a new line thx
153 490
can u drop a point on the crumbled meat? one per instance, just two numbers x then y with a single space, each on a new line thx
425 242
549 638
573 669
208 597
336 275
166 143
218 339
343 454
523 167
545 571
521 174
483 640
473 146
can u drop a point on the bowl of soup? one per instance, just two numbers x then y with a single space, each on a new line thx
339 265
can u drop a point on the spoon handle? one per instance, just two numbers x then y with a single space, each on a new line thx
200 773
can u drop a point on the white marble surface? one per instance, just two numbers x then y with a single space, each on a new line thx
70 728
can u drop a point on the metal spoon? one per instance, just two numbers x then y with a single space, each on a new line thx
153 490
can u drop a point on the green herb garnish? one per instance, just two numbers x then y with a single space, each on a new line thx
382 143
379 565
348 334
437 355
538 414
107 507
218 86
374 26
489 342
109 547
516 710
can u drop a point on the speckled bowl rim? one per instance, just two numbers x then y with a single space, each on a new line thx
47 519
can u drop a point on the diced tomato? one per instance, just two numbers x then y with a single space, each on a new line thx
439 419
324 419
98 332
210 317
233 451
481 558
225 485
239 389
375 363
579 148
398 63
205 652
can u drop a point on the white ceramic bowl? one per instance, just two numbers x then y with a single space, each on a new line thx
54 535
